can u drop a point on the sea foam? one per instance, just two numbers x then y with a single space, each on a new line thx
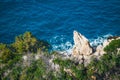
99 40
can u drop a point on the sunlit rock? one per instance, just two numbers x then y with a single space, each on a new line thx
81 45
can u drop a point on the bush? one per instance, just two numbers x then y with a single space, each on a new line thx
64 63
112 47
35 71
28 43
5 53
80 72
15 74
23 43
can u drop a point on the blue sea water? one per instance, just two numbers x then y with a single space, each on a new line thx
55 20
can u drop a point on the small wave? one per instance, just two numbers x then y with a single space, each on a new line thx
99 40
59 43
63 46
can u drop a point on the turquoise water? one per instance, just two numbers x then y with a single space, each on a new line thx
55 20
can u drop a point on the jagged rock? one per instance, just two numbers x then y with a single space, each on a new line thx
99 51
81 45
84 53
100 48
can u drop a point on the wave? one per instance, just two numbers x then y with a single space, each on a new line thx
67 46
60 43
99 40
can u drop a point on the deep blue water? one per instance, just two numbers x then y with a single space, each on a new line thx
55 20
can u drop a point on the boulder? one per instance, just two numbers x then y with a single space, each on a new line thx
81 45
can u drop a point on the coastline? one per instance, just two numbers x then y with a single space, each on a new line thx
30 55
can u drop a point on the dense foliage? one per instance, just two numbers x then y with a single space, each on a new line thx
113 46
12 65
5 53
15 66
28 43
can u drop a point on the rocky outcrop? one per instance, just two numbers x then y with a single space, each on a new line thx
82 45
83 52
100 48
99 51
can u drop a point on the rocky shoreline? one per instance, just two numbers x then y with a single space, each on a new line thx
85 61
83 52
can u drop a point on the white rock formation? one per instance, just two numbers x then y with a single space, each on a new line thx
83 52
81 45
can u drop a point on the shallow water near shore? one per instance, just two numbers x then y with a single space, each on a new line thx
55 20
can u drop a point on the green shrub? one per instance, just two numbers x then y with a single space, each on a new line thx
35 71
23 43
28 43
80 72
64 63
5 53
15 74
112 47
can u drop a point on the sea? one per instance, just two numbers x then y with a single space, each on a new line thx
55 20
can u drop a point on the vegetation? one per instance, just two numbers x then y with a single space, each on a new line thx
5 53
28 43
11 62
15 66
112 47
104 69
